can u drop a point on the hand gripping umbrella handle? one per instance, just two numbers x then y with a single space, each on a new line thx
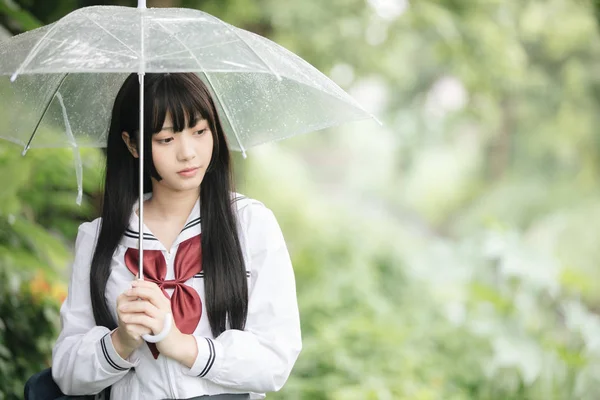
167 325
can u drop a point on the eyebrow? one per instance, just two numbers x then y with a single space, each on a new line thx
196 122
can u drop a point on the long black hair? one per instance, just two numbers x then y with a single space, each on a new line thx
185 98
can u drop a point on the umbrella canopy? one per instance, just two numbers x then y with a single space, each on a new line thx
263 91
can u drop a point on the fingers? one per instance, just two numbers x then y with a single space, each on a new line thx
146 284
122 298
143 320
144 294
150 286
140 306
153 295
125 298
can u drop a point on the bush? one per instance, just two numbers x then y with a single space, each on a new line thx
38 222
29 323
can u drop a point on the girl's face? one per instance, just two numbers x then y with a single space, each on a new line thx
181 158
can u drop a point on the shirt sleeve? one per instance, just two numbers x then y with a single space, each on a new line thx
84 360
260 358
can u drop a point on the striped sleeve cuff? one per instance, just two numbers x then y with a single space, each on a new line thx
208 353
110 360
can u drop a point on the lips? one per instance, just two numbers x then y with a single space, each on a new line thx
183 171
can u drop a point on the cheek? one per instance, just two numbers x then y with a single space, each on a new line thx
159 157
206 148
211 144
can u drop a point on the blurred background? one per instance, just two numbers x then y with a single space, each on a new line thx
449 254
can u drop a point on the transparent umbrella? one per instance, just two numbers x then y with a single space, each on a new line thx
264 91
60 80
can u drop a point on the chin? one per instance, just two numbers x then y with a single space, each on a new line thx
181 186
188 186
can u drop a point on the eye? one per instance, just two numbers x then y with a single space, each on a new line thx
164 141
201 131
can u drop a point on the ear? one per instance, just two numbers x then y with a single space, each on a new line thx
130 144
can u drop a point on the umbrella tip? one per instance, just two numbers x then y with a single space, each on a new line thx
24 151
13 77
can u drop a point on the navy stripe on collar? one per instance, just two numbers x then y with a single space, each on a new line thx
190 225
201 275
194 221
148 236
136 235
132 232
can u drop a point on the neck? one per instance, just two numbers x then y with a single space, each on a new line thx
171 204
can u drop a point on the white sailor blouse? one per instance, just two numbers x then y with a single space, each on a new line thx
256 360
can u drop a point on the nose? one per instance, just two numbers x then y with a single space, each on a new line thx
185 150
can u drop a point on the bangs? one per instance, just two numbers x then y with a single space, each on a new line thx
181 98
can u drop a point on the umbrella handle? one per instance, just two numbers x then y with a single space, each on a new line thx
167 325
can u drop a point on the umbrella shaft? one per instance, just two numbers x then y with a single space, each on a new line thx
141 179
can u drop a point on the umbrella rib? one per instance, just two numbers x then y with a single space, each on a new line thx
100 50
37 125
231 29
203 70
195 48
226 110
113 36
36 49
76 152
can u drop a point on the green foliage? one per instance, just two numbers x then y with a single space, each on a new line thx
18 16
29 325
38 223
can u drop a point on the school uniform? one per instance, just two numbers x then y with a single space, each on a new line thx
255 361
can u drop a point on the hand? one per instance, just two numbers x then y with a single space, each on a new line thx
150 311
128 335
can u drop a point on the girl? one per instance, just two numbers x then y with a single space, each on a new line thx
215 260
